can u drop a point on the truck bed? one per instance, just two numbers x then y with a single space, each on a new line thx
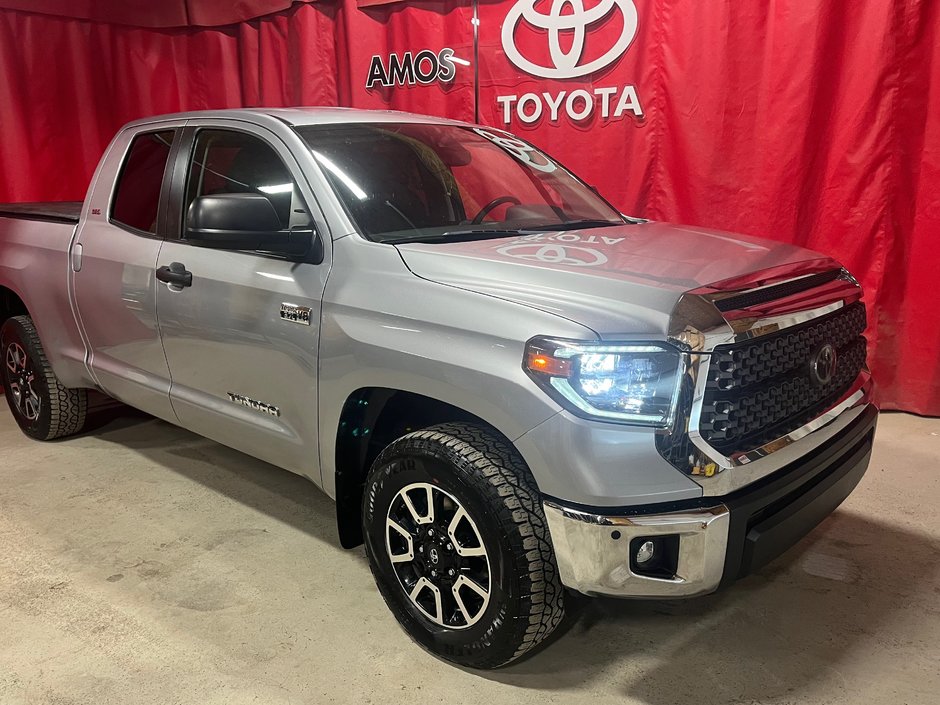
34 266
55 211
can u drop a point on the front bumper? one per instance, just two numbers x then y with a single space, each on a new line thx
719 539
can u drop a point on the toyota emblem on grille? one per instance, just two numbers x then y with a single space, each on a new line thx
823 365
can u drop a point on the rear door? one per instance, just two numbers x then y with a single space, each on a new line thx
113 263
241 339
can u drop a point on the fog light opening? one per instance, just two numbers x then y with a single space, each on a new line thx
655 556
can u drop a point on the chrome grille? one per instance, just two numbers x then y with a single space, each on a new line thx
762 389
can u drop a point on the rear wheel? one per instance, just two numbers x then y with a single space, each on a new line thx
459 546
42 407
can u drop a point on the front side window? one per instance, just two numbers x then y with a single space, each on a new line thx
407 182
230 162
137 197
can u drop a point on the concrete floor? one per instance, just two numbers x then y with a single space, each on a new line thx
142 564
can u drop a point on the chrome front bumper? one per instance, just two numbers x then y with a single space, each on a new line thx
593 551
719 539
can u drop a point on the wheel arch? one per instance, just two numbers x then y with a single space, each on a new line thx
371 418
11 304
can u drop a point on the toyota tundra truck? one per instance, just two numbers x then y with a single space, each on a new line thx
510 389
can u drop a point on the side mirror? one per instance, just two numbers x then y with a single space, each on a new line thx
242 221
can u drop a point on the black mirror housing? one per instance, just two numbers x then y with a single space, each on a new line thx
242 221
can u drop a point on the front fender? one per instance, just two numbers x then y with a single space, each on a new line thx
382 326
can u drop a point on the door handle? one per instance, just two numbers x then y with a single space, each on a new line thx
175 274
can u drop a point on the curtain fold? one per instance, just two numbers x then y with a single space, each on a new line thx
154 13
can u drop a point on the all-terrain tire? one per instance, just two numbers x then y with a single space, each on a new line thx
61 410
485 475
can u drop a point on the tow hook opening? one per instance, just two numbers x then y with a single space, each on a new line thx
655 556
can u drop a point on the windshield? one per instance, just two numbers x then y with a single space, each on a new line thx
409 182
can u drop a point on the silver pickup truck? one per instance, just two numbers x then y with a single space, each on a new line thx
508 387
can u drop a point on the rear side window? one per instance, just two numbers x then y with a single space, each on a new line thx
137 197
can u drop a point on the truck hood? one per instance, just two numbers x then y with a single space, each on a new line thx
614 280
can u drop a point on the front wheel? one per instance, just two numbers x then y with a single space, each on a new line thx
459 546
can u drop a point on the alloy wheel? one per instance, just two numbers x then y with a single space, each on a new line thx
438 555
20 378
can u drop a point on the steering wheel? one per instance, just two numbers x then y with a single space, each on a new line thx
478 218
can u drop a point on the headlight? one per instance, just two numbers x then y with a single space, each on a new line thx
635 383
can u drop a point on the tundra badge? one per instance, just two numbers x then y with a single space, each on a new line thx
295 314
254 405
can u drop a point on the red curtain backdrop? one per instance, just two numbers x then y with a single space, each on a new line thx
69 84
810 122
156 13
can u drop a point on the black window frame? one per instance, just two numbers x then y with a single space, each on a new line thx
160 226
179 182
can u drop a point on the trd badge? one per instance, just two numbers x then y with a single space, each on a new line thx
295 314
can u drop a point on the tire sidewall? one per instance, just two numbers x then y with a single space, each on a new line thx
434 465
11 332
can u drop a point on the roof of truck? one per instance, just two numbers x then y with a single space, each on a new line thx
314 115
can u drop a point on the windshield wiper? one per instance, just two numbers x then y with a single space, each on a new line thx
464 236
469 235
577 225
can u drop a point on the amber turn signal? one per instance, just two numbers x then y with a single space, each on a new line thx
543 363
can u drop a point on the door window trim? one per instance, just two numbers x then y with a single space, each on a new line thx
176 216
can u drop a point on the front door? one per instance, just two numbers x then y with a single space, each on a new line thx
241 337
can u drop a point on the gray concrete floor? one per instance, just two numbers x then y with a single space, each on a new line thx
142 564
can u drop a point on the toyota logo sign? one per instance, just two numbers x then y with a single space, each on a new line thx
607 26
567 64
